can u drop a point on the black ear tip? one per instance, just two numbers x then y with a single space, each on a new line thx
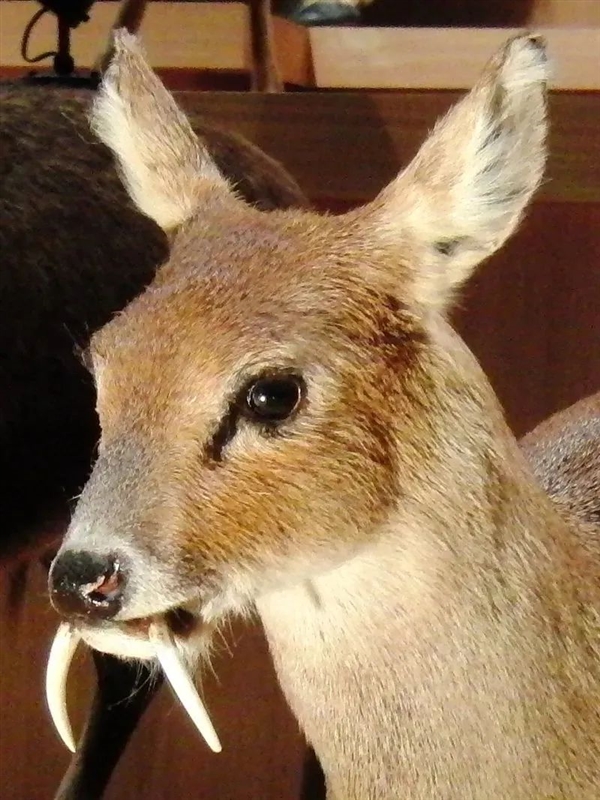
538 42
524 62
445 246
125 42
534 44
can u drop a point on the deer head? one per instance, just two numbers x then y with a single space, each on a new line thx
289 380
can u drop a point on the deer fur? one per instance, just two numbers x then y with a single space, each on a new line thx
433 617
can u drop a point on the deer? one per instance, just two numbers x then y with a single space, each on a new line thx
75 252
291 427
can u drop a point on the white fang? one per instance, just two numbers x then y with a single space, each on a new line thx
178 676
60 658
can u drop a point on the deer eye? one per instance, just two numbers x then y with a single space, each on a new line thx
274 399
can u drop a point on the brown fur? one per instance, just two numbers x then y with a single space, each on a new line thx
433 618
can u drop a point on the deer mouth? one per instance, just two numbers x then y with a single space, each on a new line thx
169 638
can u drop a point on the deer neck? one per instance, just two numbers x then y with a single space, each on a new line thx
425 663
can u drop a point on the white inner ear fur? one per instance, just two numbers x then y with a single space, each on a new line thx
164 166
468 186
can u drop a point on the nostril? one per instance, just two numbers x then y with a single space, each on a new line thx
106 587
88 584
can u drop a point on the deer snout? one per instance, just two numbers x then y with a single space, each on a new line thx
87 584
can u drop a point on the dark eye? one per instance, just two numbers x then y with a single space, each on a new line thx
273 399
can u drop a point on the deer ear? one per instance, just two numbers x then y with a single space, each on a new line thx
468 186
164 166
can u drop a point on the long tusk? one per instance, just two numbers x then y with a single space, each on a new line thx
60 658
181 682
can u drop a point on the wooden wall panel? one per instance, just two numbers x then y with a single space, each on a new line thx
532 314
434 58
343 147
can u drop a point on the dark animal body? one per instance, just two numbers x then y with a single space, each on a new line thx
564 451
74 252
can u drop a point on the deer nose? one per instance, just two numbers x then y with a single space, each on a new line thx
86 584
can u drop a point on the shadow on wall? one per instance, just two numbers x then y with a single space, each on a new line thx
454 13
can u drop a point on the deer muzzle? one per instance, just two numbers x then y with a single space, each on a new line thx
153 638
